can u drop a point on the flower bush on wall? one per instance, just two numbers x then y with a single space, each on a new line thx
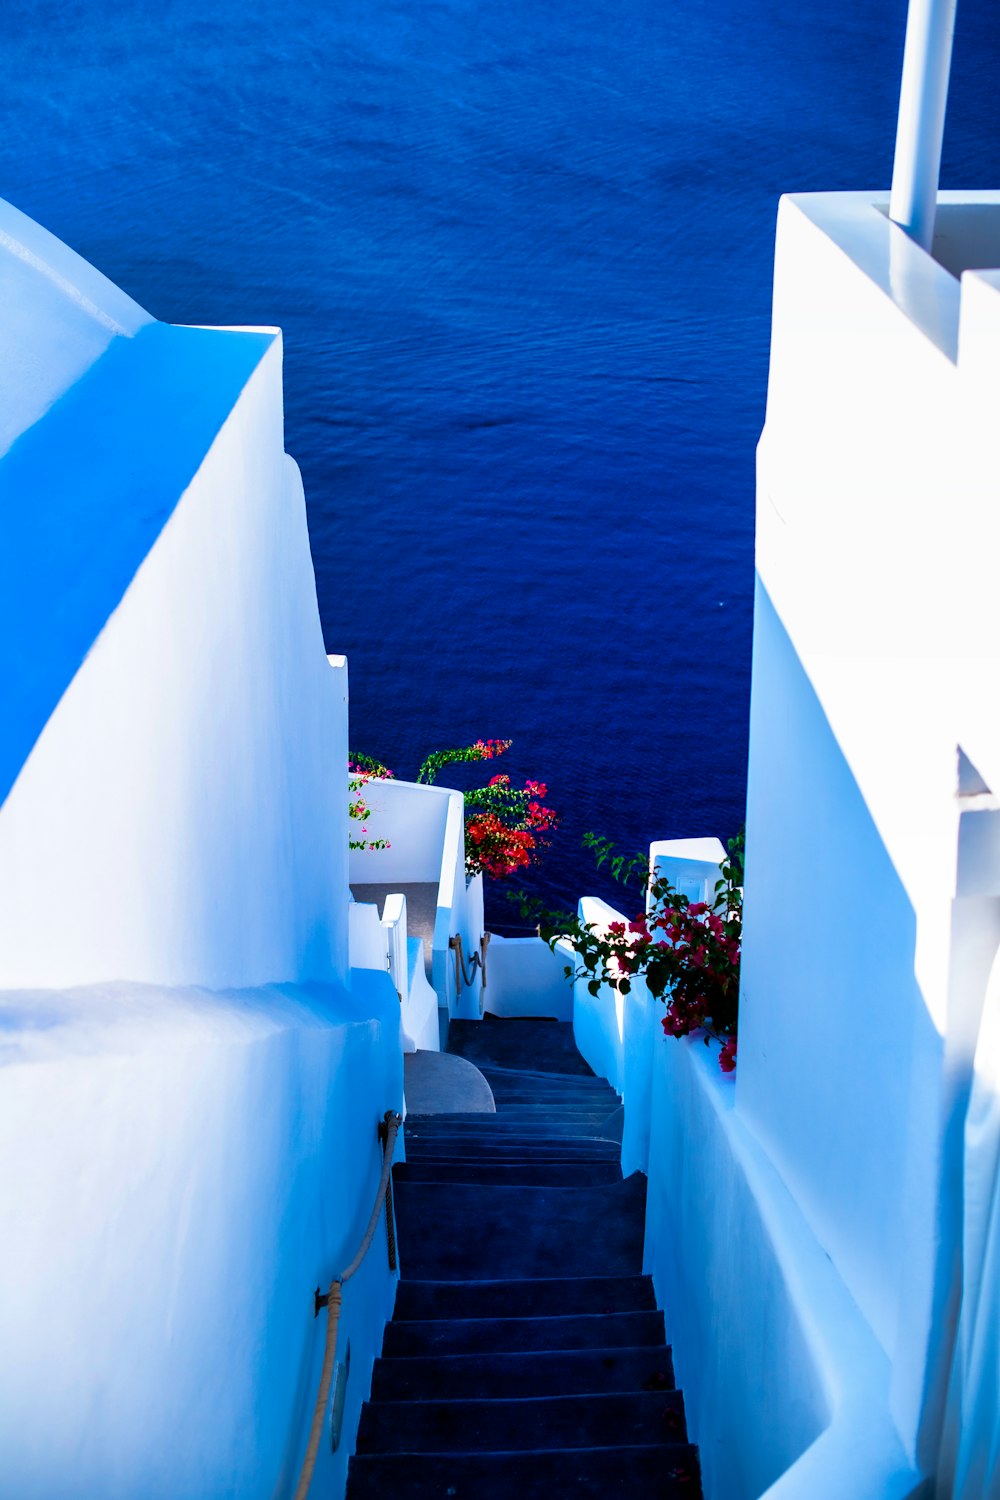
687 952
506 826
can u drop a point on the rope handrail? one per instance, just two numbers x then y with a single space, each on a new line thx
477 961
388 1130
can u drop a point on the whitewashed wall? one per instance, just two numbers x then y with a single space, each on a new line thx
190 1076
180 1170
872 919
181 819
805 1226
524 977
414 819
599 1020
786 1387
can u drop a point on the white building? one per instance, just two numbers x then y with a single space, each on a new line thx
192 1068
823 1229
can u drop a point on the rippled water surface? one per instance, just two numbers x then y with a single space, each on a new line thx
521 253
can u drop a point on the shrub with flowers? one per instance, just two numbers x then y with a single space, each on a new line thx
505 826
688 952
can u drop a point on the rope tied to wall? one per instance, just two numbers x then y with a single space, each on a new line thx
388 1130
477 961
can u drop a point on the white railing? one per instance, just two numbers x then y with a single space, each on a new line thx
459 914
384 944
425 826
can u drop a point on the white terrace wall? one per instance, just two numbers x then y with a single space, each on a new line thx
189 1090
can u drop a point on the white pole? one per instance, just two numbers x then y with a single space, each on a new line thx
930 26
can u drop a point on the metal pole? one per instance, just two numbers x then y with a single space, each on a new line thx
930 26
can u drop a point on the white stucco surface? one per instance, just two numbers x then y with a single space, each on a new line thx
413 818
599 1020
178 1170
872 918
524 977
192 1075
786 1387
180 818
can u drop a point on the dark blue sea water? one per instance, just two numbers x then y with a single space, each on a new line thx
521 252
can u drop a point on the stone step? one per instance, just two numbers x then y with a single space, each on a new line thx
490 1126
513 1148
510 1174
538 1110
514 1425
521 1078
540 1102
502 1377
560 1296
519 1043
537 1373
419 1338
584 1473
544 1082
465 1233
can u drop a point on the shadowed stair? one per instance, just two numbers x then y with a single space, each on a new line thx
526 1356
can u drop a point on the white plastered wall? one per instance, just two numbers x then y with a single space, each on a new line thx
179 1169
181 819
875 658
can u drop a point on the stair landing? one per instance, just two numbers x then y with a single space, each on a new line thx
526 1358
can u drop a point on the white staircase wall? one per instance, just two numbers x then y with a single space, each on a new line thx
181 819
191 1076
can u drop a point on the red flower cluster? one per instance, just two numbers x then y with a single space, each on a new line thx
496 849
490 748
687 953
505 825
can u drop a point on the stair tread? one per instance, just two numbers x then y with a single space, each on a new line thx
472 1232
524 1174
667 1473
426 1336
498 1377
508 1148
536 1372
560 1296
522 1423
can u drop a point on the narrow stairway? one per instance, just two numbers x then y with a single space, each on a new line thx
525 1359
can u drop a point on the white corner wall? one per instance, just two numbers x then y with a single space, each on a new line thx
181 819
524 977
414 818
180 1169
